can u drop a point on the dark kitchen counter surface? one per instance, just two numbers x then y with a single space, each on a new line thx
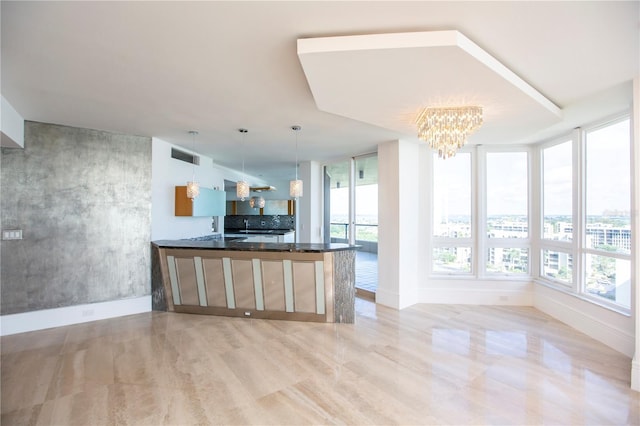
220 244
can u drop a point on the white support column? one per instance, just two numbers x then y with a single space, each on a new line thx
310 205
398 218
635 217
352 201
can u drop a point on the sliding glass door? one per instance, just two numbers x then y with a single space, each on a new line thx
351 214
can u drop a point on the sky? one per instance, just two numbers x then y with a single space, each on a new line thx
607 180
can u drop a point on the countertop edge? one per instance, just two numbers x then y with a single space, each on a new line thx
249 246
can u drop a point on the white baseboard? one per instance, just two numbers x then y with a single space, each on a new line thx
387 298
607 327
49 318
478 296
635 373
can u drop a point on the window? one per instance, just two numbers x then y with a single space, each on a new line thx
452 259
607 230
557 190
507 195
557 266
598 265
452 214
504 222
452 196
507 213
502 260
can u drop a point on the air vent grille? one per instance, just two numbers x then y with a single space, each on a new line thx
185 156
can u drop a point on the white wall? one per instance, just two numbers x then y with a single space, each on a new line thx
166 174
11 126
398 222
611 328
635 290
309 227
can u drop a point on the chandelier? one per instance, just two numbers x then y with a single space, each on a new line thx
193 188
242 187
295 186
446 129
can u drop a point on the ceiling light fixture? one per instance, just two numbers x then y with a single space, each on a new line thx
295 186
242 187
193 188
446 129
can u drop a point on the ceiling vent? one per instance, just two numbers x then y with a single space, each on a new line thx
185 156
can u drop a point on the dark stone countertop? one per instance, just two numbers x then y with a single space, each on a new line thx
248 246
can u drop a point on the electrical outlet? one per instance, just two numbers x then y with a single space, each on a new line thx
12 234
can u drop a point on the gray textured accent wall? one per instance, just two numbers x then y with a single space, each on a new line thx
344 282
83 201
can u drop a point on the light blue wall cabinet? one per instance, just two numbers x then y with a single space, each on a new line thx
209 203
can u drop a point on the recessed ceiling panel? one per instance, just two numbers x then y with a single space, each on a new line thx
386 79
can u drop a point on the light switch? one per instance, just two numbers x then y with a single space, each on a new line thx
12 234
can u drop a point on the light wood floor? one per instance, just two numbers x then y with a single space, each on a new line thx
428 364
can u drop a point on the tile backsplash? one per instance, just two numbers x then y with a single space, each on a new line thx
260 222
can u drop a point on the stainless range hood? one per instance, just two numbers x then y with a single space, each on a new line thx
263 188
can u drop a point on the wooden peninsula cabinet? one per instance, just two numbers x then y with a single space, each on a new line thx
301 282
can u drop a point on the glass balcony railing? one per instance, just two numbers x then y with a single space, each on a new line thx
366 235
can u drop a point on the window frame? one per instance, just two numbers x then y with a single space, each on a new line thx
485 243
577 248
478 242
480 245
583 250
437 242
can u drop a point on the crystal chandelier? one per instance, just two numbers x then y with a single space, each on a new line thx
446 129
193 188
242 187
295 186
257 202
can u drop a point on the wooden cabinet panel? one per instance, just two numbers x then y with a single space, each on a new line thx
214 281
273 282
243 286
304 286
187 279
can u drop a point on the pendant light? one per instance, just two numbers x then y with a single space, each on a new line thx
193 188
242 187
257 202
295 186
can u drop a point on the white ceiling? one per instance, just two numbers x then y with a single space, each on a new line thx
385 79
163 68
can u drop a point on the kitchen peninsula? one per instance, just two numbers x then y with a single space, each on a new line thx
289 281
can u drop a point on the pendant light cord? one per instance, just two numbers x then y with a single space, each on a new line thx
193 133
296 129
244 132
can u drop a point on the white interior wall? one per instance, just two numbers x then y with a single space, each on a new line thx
166 174
309 226
398 223
604 325
11 126
635 217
